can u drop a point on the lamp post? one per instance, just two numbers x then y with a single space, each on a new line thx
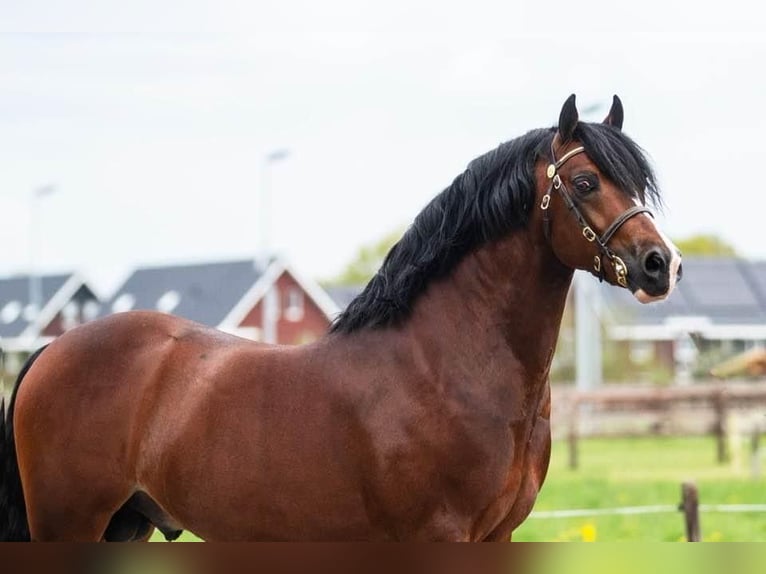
271 297
264 219
35 279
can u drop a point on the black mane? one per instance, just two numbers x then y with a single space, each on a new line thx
493 196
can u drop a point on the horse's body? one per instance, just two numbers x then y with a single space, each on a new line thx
428 422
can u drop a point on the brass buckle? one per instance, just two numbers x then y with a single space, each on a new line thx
546 201
621 271
556 181
589 234
597 263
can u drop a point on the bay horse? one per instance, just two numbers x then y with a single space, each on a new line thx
423 413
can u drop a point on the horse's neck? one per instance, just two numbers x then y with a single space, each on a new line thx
507 298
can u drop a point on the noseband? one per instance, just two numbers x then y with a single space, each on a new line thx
620 269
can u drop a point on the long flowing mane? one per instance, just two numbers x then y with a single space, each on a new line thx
492 197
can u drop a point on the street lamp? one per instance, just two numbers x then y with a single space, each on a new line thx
35 280
267 162
271 297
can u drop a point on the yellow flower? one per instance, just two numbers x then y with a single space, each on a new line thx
588 532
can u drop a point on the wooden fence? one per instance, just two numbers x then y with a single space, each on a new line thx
718 402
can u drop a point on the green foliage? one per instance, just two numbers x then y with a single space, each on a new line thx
367 261
705 245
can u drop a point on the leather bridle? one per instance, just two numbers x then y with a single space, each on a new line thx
620 269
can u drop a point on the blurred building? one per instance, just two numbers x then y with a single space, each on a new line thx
28 321
717 311
260 301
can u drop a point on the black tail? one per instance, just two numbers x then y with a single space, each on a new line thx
13 512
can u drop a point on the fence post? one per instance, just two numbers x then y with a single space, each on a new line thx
720 425
690 507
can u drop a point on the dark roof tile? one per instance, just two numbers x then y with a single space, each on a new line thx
725 290
205 293
14 298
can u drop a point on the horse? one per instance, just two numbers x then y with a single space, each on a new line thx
421 414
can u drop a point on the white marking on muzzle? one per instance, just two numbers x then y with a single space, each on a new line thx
675 263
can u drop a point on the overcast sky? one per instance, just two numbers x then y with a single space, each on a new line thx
152 119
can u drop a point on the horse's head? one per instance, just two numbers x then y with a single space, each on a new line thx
592 200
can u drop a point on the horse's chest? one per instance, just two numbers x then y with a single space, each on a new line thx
524 477
499 482
457 476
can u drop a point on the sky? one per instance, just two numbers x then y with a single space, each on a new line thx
154 122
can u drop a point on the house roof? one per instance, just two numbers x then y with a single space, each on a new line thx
218 294
716 294
205 292
325 303
15 300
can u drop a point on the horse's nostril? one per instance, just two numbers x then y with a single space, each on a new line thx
655 263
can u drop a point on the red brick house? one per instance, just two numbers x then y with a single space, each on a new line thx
303 310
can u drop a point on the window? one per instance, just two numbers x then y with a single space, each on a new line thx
123 303
90 310
10 312
70 315
641 352
168 301
294 304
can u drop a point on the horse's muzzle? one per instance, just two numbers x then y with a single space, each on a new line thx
654 273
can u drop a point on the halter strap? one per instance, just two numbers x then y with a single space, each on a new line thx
617 223
566 156
620 269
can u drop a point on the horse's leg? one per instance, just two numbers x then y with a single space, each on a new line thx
68 508
502 533
68 525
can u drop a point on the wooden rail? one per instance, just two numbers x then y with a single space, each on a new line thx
721 397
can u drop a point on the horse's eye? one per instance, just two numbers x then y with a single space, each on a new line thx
585 183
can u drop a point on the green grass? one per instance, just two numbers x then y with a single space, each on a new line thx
640 472
185 537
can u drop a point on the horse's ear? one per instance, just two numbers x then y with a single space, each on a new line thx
568 119
615 116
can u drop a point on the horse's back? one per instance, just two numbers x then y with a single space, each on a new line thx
106 378
113 358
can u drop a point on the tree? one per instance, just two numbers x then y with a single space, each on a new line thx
367 261
706 244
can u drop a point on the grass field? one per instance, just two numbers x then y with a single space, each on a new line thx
640 472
